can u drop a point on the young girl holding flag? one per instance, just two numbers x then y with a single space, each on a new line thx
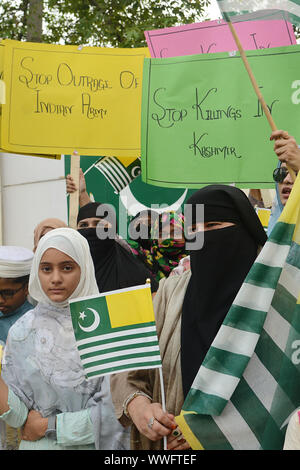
43 387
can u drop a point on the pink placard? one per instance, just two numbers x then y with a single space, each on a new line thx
215 36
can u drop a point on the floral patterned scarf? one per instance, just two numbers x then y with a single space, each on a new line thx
163 254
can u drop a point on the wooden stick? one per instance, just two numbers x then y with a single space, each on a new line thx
74 197
256 88
162 388
267 197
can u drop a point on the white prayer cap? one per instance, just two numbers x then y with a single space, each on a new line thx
15 261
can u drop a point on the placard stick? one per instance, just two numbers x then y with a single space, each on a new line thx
256 88
267 197
74 197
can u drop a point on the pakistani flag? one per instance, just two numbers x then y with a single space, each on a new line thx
248 385
274 9
119 171
116 331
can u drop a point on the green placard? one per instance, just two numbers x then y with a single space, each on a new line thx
202 122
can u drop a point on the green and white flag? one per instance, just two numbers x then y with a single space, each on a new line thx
119 171
274 9
248 385
116 331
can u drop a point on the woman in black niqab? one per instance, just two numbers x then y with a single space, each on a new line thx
218 270
115 267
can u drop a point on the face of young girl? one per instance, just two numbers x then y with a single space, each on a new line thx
59 275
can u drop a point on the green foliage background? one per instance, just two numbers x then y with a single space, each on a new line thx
116 23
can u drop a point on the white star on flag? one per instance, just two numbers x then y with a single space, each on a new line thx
82 315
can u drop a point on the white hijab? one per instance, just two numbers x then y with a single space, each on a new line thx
70 242
42 363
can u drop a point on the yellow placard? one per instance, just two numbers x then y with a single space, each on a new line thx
65 98
53 157
1 59
3 99
1 78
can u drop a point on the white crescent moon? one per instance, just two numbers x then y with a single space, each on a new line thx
95 323
133 206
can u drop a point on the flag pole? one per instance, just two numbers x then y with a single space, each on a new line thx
255 86
163 400
74 197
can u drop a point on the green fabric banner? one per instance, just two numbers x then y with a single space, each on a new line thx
203 124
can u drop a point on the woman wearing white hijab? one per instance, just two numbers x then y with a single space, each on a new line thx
41 369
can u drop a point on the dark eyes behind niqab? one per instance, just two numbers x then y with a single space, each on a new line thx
115 267
218 271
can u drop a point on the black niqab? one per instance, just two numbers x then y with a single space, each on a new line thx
115 267
218 271
140 225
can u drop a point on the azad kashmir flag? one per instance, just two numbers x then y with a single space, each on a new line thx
232 9
116 331
248 385
119 171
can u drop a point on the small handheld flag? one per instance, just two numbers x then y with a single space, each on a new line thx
116 331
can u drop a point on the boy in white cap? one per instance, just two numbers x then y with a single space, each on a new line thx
15 265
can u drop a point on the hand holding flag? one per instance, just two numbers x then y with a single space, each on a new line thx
116 332
247 387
